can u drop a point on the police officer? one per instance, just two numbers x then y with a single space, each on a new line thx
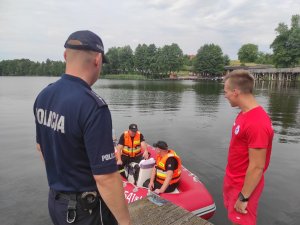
74 136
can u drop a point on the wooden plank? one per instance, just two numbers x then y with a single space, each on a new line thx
155 211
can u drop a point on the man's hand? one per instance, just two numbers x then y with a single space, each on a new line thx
146 154
158 191
241 207
151 185
119 162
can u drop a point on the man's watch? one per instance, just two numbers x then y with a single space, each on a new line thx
242 198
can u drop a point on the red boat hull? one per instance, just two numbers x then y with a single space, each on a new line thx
193 195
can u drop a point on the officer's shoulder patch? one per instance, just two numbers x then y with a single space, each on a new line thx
100 101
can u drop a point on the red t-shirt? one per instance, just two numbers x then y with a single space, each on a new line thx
252 129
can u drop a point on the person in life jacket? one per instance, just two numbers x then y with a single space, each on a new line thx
166 173
131 148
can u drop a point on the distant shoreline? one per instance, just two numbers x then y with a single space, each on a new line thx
128 77
141 77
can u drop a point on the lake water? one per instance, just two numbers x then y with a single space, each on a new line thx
195 120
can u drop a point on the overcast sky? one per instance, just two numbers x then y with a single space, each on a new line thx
37 29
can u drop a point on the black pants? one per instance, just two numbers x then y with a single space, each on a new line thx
100 215
126 161
157 185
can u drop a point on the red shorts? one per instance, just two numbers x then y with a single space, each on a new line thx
230 196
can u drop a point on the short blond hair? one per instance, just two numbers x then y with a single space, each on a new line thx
85 57
240 79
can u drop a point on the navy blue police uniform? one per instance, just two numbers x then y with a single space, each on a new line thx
73 128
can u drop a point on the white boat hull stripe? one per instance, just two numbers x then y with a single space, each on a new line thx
204 210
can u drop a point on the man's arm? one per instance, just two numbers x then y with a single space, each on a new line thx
145 150
257 160
111 189
38 148
119 153
166 182
151 183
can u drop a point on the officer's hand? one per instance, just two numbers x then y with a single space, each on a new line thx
119 162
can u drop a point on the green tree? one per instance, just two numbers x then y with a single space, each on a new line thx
294 40
286 46
226 60
187 60
145 59
120 60
126 59
169 59
209 60
25 67
113 67
151 60
140 56
264 58
248 53
174 57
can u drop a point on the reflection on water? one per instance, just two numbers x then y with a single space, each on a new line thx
144 96
283 107
207 96
281 100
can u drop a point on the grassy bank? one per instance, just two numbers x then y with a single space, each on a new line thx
137 76
124 77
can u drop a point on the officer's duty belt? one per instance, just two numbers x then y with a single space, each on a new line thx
82 198
67 195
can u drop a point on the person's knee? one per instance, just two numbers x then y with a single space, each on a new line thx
136 167
146 183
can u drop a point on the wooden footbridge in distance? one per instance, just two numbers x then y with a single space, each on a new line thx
259 72
267 73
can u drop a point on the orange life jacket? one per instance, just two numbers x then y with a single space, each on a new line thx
161 171
130 148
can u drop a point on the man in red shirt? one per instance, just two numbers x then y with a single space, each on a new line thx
249 150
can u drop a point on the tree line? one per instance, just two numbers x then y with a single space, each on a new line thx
147 60
26 67
160 62
154 62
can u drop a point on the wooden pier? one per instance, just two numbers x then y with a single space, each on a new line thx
273 74
154 210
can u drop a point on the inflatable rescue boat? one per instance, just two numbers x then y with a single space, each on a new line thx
191 194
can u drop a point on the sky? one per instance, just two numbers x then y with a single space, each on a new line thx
38 29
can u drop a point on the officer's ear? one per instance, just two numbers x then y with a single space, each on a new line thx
65 55
98 59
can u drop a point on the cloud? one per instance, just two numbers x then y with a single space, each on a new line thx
37 29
